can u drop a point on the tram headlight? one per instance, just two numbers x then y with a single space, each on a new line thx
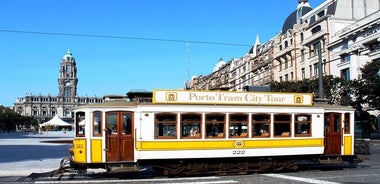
71 150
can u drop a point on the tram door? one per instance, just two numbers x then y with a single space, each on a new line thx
119 136
333 133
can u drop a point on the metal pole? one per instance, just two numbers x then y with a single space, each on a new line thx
320 72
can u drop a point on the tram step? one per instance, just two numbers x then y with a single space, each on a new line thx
330 160
124 168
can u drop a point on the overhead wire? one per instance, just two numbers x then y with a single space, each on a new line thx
123 37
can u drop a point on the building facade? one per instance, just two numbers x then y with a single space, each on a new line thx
312 42
45 107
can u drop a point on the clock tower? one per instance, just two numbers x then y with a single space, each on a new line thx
68 80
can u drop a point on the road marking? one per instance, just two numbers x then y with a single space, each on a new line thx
307 180
189 180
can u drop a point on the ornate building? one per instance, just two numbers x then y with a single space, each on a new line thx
335 38
44 107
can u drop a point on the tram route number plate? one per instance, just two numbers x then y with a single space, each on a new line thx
238 152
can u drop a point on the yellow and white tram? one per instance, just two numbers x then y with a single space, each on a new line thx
192 132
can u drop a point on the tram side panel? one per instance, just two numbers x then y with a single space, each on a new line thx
147 147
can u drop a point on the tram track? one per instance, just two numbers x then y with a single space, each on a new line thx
149 175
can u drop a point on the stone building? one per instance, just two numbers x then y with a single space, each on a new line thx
45 107
311 40
355 45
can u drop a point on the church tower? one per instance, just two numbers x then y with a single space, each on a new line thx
68 80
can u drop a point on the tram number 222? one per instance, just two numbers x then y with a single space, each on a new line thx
238 152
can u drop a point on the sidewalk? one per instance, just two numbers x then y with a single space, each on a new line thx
22 154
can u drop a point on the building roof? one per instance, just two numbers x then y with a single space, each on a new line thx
302 8
68 55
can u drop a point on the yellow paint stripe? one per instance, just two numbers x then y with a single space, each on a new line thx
96 150
347 145
79 150
227 144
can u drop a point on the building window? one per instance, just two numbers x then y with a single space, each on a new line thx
281 125
67 91
68 70
166 126
215 124
345 58
286 44
321 14
316 49
286 77
311 70
301 35
191 125
291 76
286 62
316 29
238 125
316 69
303 73
345 74
261 125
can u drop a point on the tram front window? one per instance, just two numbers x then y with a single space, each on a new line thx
80 124
97 124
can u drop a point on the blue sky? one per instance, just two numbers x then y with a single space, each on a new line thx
30 62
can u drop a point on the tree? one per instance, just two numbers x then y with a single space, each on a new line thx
367 89
9 119
336 89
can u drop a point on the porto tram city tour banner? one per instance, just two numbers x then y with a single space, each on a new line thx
228 97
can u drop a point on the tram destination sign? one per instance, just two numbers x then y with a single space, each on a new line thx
228 97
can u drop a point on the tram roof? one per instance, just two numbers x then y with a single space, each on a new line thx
125 103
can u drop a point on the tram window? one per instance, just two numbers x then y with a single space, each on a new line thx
80 124
215 125
261 125
191 125
127 124
238 126
97 125
302 125
111 120
336 123
166 126
347 128
281 125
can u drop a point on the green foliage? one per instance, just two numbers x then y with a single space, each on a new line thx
335 89
367 89
9 119
340 92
